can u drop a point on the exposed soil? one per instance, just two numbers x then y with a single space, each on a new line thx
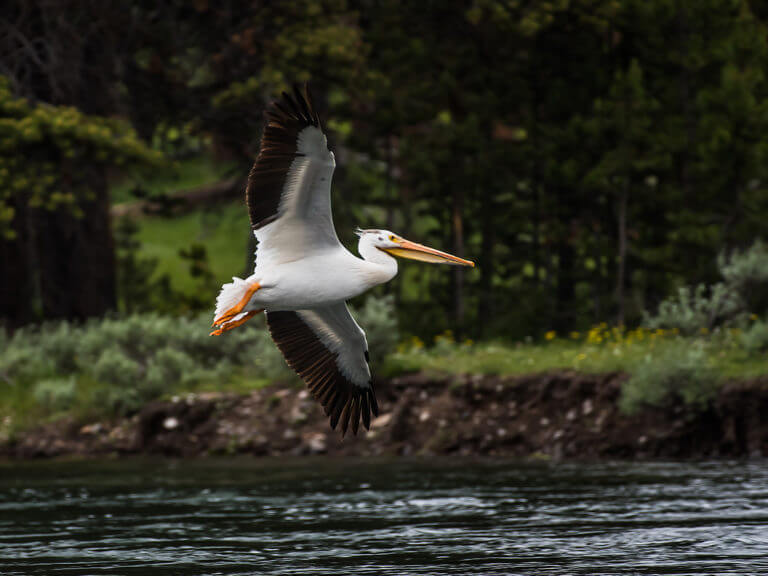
561 415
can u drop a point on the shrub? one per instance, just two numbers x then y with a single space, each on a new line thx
746 273
113 400
755 338
55 394
129 360
692 312
115 367
679 372
378 318
744 290
169 365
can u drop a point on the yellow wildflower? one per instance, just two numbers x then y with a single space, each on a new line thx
551 335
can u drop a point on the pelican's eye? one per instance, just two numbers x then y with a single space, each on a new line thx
391 237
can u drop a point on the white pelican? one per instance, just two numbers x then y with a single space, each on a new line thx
303 274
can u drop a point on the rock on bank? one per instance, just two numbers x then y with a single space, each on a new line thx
563 415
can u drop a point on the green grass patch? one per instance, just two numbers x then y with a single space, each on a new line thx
223 231
505 359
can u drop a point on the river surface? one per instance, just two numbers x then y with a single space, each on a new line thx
326 516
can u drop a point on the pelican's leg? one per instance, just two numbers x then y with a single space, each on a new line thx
227 326
237 308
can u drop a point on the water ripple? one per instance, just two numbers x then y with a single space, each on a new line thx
382 517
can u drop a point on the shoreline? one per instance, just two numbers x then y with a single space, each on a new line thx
560 415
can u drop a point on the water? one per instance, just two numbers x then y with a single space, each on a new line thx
325 516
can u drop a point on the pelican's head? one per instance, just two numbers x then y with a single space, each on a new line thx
395 245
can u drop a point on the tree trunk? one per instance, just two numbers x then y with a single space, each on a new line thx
597 278
457 232
565 291
487 266
622 253
76 258
16 272
71 260
684 89
566 283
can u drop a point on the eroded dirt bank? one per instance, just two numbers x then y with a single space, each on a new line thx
559 415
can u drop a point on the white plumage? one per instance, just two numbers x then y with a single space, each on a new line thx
303 274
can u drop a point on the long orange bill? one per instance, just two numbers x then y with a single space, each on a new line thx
414 251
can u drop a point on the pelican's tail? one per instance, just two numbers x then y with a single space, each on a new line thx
231 295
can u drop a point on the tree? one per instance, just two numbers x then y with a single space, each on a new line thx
623 125
49 157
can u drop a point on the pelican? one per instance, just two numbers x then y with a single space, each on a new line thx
303 275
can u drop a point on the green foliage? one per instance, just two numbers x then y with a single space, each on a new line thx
137 290
182 174
664 367
55 394
696 311
304 39
601 125
680 372
116 365
378 317
141 289
746 273
196 257
223 232
46 150
742 292
755 338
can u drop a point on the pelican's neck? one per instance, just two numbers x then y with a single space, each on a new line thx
381 265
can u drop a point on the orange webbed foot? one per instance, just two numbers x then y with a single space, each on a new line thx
237 308
227 326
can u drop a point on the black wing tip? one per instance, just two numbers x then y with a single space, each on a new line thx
296 107
349 409
342 400
284 119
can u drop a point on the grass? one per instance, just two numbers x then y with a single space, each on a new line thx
177 175
224 231
582 353
502 359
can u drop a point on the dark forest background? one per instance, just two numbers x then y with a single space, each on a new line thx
591 156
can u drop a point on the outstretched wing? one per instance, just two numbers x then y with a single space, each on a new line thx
327 348
289 187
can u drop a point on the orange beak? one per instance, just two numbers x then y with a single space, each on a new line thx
413 251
